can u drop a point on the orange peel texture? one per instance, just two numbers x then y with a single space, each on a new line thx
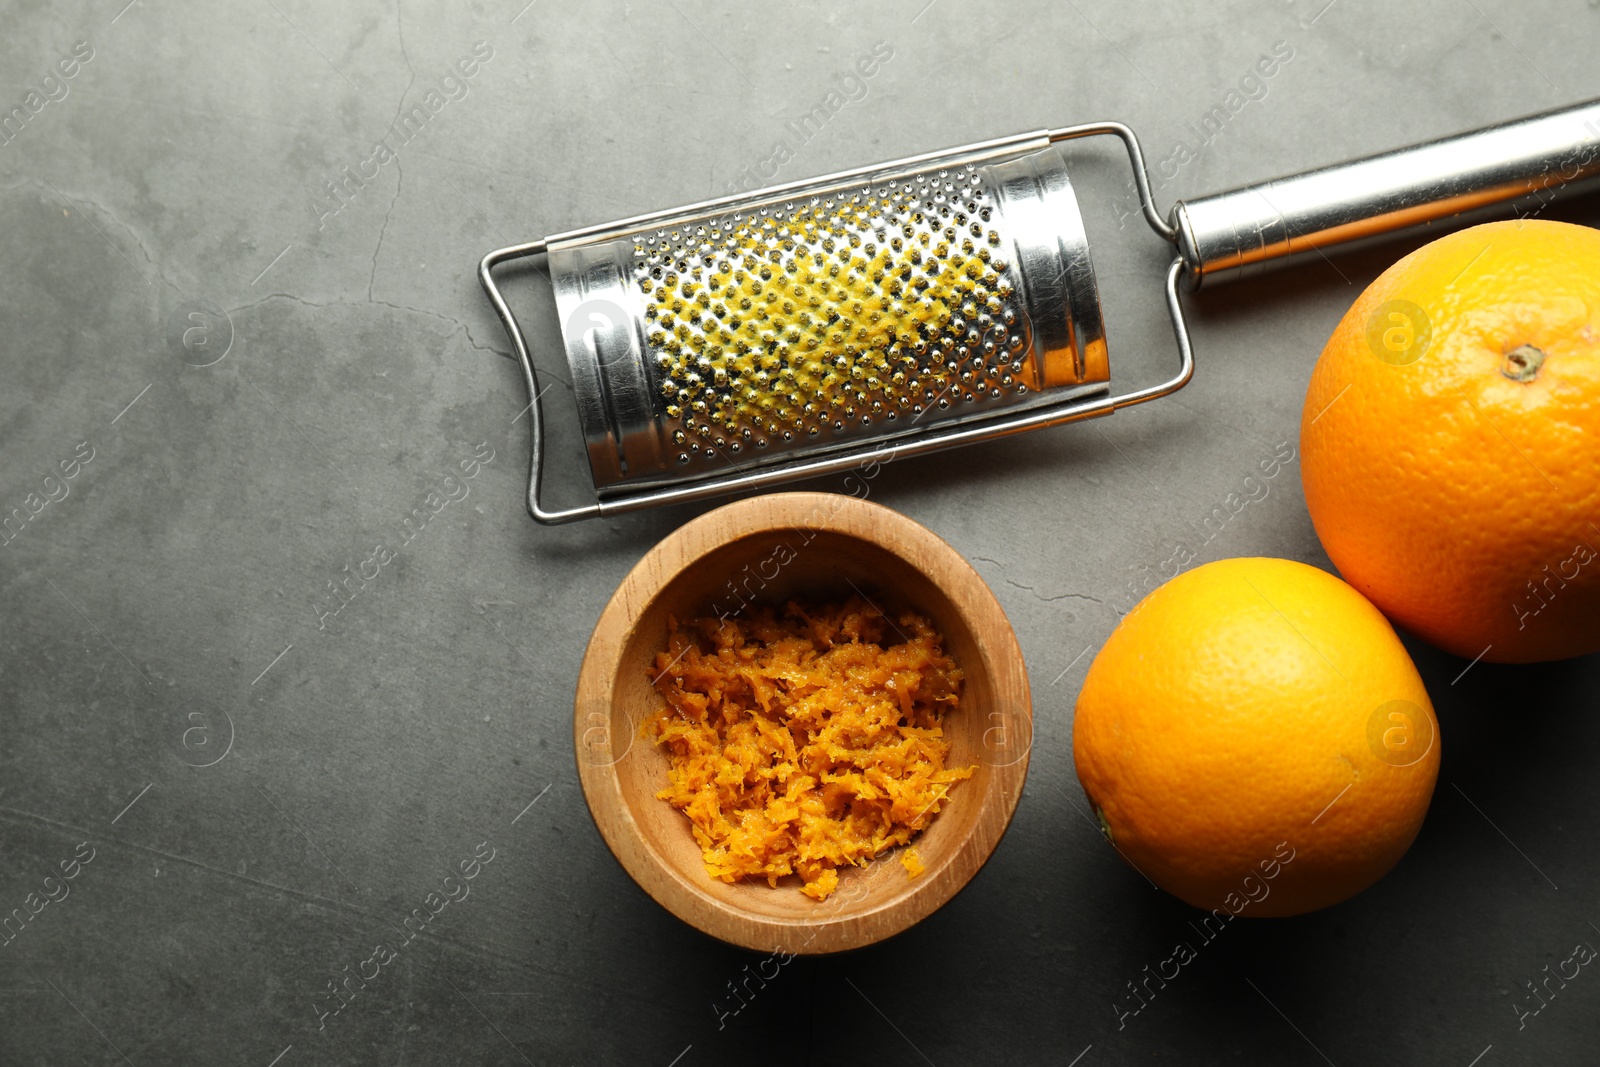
805 739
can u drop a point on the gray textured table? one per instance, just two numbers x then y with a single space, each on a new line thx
255 781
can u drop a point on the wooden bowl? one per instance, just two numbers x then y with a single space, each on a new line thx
767 549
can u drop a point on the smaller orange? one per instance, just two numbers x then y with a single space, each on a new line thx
1255 739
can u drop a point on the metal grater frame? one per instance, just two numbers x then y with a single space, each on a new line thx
880 434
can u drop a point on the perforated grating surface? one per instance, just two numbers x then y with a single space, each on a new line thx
830 316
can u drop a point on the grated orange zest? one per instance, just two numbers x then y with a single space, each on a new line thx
912 862
804 740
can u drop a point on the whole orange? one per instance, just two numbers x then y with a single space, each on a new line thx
1255 739
1450 442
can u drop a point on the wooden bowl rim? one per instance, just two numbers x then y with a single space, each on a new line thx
684 548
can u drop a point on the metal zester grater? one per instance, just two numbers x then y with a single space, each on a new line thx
929 302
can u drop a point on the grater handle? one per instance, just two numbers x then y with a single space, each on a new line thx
530 377
1234 234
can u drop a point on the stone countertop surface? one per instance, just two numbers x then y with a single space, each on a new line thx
238 243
